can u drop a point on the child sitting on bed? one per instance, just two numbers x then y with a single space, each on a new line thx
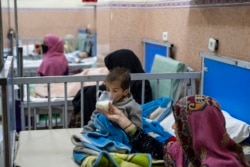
117 84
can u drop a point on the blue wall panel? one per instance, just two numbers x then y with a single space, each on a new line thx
229 85
151 50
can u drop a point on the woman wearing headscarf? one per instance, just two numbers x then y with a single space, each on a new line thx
119 58
200 128
201 136
54 62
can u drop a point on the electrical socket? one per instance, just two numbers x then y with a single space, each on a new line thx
213 44
165 36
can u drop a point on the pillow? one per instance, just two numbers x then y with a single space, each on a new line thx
167 87
237 129
82 37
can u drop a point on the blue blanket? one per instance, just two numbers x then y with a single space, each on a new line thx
107 138
157 109
111 138
153 113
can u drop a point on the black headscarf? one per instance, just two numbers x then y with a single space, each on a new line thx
127 58
119 58
124 58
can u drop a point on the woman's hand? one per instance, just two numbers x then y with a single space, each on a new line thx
115 115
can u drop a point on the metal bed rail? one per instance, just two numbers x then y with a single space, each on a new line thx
28 44
65 102
26 52
7 123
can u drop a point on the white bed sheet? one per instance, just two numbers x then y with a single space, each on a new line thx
237 130
27 50
48 148
34 64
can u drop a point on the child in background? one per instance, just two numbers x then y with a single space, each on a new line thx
37 49
117 84
73 55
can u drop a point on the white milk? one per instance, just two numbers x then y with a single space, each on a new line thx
103 104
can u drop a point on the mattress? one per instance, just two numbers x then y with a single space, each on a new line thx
48 148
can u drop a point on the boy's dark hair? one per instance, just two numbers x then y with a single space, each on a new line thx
119 74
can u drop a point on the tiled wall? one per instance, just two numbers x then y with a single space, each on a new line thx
189 26
61 22
40 21
124 24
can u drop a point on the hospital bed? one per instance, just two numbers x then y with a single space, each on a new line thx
53 146
162 63
32 60
44 88
64 132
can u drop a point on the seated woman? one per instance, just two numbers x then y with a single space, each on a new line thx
54 62
201 136
119 58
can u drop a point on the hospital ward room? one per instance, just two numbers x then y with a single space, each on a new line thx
103 83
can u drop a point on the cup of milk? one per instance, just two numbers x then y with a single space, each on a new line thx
103 100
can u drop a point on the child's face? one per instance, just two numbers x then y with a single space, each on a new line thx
37 49
115 91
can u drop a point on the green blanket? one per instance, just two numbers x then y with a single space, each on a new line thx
121 160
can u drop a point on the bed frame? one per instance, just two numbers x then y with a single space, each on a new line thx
25 42
8 82
31 62
7 112
230 80
9 115
152 48
65 102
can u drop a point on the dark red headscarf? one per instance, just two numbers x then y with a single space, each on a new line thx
203 139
